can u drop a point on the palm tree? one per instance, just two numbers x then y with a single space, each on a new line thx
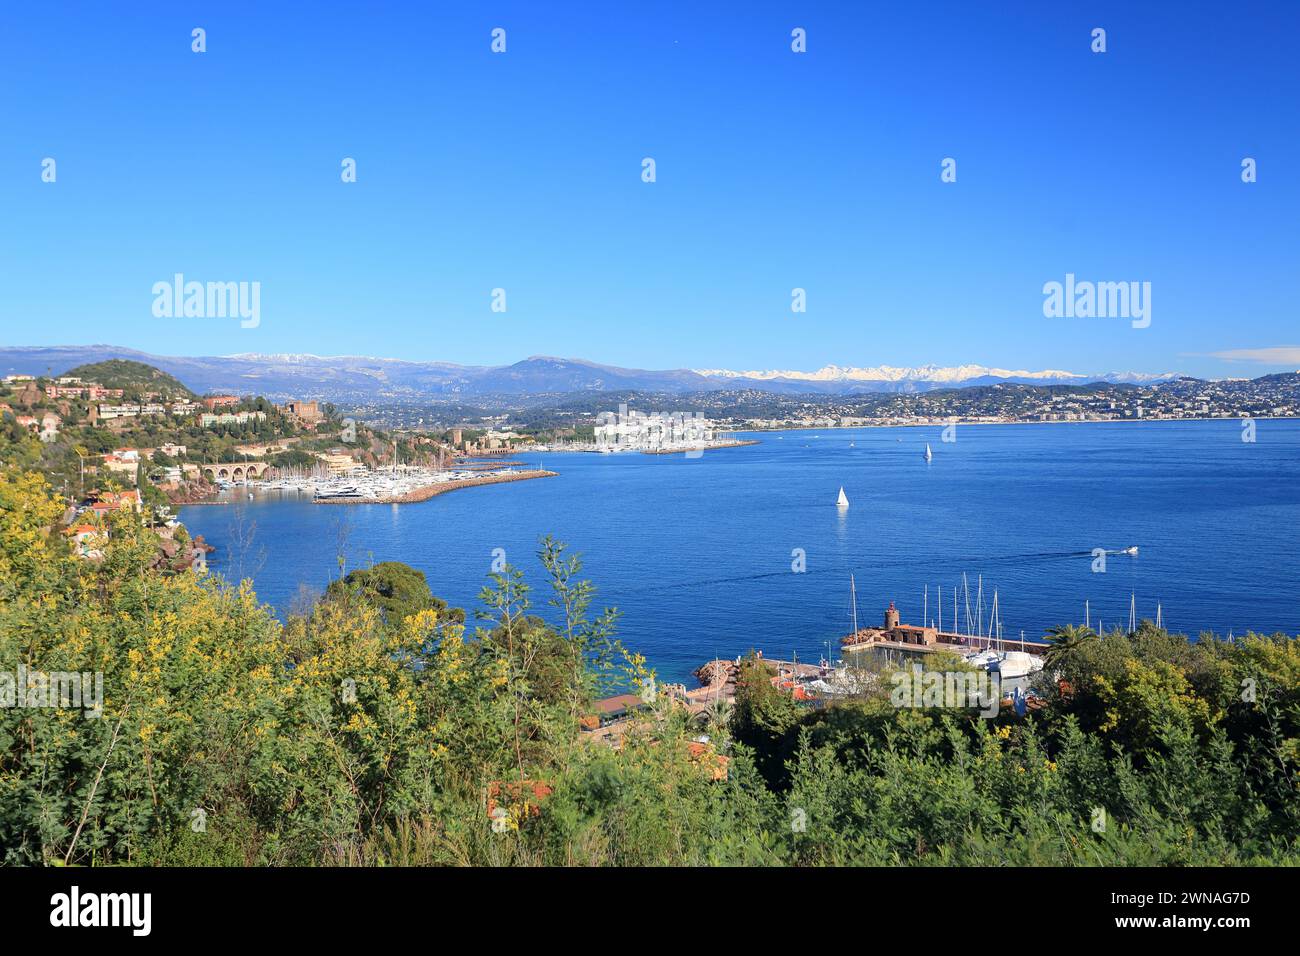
717 715
1064 641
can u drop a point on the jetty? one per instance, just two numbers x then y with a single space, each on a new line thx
896 639
427 491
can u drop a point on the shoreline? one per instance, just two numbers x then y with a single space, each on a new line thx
431 491
703 448
1023 421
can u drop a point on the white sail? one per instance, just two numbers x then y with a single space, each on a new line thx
928 453
843 500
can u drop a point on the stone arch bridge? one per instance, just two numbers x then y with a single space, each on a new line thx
234 471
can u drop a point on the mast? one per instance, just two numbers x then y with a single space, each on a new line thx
965 586
853 595
1087 615
995 630
925 608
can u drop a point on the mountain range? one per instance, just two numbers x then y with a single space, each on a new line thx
350 378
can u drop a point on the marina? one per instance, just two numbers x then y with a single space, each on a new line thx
980 645
399 485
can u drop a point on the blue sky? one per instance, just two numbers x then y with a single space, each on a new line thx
775 170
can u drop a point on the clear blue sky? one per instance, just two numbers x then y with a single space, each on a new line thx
775 170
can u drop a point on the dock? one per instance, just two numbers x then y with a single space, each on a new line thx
896 636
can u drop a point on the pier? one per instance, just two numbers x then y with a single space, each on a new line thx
896 636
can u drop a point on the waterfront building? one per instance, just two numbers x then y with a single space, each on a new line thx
629 430
338 462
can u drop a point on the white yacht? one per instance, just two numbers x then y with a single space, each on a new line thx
1013 664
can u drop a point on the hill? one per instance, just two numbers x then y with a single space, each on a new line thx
131 376
361 380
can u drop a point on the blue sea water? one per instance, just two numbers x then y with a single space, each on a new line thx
697 553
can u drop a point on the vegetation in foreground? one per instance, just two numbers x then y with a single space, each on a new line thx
375 726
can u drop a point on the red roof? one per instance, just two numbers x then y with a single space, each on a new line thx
612 705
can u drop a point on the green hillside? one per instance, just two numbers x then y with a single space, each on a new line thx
132 376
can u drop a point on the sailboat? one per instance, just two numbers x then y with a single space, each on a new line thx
1008 665
928 454
843 500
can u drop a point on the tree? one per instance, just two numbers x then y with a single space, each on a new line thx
396 590
1064 641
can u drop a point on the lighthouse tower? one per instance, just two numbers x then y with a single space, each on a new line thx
891 617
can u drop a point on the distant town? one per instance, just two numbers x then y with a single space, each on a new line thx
124 444
575 416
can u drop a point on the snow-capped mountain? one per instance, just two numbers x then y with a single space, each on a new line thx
928 375
360 378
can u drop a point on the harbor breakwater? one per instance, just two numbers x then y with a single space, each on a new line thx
437 488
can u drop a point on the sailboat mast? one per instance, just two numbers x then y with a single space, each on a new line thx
995 630
853 595
965 586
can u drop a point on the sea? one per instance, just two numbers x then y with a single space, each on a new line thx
746 548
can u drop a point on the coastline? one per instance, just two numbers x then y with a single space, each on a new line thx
702 448
430 491
1015 421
